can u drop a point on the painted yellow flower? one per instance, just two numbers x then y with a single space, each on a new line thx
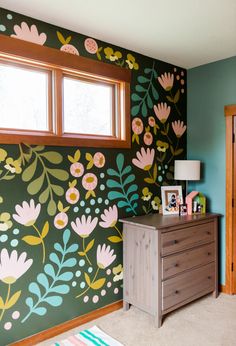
5 222
146 194
111 55
131 62
3 155
13 165
162 146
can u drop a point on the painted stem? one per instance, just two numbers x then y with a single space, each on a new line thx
177 109
119 232
153 179
7 298
42 242
2 178
86 256
88 288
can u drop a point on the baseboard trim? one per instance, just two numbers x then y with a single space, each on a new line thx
222 289
63 327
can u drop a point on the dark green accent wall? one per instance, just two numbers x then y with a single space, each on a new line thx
210 88
60 241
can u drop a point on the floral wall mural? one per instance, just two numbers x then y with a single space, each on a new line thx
60 238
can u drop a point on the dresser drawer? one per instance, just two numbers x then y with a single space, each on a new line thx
187 237
187 285
175 264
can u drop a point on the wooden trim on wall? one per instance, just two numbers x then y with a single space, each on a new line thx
222 289
230 112
63 327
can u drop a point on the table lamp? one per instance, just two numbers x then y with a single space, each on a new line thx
187 170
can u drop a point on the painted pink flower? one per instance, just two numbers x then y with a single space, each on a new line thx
162 111
31 34
69 48
12 267
77 169
137 126
60 220
151 121
91 45
84 227
148 138
72 195
144 159
27 214
166 80
99 160
109 217
179 128
105 256
89 181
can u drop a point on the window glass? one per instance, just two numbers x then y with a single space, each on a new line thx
23 98
87 107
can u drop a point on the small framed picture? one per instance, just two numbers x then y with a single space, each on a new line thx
183 209
171 199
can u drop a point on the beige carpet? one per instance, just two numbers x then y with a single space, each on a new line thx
207 321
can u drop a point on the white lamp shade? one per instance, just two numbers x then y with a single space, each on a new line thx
187 170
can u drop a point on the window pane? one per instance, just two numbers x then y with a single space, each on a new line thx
87 107
23 98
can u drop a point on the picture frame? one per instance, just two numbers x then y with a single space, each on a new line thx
171 199
183 210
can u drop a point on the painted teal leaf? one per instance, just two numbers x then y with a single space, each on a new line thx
54 300
134 197
155 74
144 109
59 248
61 289
135 110
149 101
55 259
52 156
35 186
59 174
113 183
132 188
49 270
40 311
28 173
115 195
43 280
126 170
34 288
142 79
129 179
135 97
67 276
120 161
135 205
147 70
29 302
112 172
122 204
140 88
71 262
66 236
72 248
128 209
155 93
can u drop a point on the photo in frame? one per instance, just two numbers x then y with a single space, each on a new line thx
171 199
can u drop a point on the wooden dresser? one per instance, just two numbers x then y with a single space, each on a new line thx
169 261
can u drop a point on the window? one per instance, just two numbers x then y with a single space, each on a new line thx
55 98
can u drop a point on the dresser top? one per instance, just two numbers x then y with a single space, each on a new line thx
159 221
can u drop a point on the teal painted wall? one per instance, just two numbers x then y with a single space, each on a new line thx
210 88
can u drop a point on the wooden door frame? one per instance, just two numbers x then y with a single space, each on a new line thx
230 113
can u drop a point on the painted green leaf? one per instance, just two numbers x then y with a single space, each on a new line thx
32 240
144 109
172 150
176 97
8 177
170 99
167 128
35 185
155 93
169 176
140 88
90 245
57 189
12 301
178 152
44 196
1 304
28 173
149 180
114 239
52 156
52 207
39 148
135 110
147 70
155 172
60 174
98 284
87 279
136 97
99 56
149 101
142 79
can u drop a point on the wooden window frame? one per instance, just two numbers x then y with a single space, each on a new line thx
27 53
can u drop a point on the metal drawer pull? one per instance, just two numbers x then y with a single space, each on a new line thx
175 241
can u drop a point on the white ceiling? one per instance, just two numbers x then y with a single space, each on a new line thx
187 33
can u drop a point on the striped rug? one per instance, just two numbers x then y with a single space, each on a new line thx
89 337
